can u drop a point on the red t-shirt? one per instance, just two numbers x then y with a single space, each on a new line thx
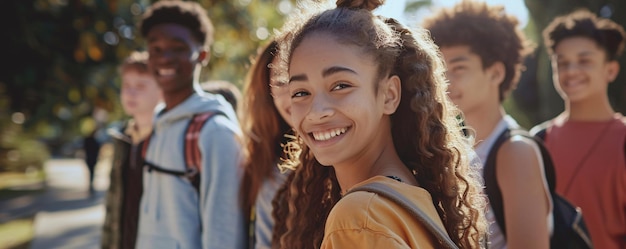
590 163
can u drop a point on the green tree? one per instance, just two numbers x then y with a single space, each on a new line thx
60 57
414 5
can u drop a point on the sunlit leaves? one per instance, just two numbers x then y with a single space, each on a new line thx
72 49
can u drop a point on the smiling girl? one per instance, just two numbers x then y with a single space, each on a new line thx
369 105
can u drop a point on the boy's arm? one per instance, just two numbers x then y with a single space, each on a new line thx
220 210
525 194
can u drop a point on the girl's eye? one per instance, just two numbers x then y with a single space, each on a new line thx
298 94
340 86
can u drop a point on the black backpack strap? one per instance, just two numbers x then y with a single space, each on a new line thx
548 164
441 235
154 167
191 150
540 130
492 189
541 134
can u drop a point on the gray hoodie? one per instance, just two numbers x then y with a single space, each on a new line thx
172 213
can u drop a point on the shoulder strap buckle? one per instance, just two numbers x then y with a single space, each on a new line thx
191 173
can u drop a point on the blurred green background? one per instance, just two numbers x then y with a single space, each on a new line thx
58 78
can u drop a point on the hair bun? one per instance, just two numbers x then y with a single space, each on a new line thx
360 4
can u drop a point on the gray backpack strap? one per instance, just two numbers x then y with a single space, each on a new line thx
389 193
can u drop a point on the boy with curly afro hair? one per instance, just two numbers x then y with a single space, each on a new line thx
484 47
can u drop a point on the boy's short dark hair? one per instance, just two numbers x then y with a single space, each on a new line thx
189 14
582 23
488 31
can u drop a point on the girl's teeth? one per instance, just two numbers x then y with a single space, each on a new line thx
325 135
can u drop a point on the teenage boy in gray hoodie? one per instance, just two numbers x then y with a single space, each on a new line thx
175 212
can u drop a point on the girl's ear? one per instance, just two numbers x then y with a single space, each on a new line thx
612 70
392 93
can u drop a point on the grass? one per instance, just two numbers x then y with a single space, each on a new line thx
15 184
17 234
18 179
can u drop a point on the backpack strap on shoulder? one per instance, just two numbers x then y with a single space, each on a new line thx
193 155
492 189
191 150
378 188
540 130
548 165
541 134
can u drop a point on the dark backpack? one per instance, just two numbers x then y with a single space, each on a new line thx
569 226
193 156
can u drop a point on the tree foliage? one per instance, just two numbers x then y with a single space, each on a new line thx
61 56
415 5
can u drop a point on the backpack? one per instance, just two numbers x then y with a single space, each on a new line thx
383 190
570 230
193 156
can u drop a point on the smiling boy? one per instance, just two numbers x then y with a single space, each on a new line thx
198 208
587 140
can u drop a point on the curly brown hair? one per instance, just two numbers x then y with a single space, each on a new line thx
489 32
425 130
607 34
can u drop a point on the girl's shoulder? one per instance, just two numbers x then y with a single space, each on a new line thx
365 204
379 218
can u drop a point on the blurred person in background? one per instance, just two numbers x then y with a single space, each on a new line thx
265 119
228 90
139 96
587 140
91 148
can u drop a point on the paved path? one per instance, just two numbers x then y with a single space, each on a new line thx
71 217
66 214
